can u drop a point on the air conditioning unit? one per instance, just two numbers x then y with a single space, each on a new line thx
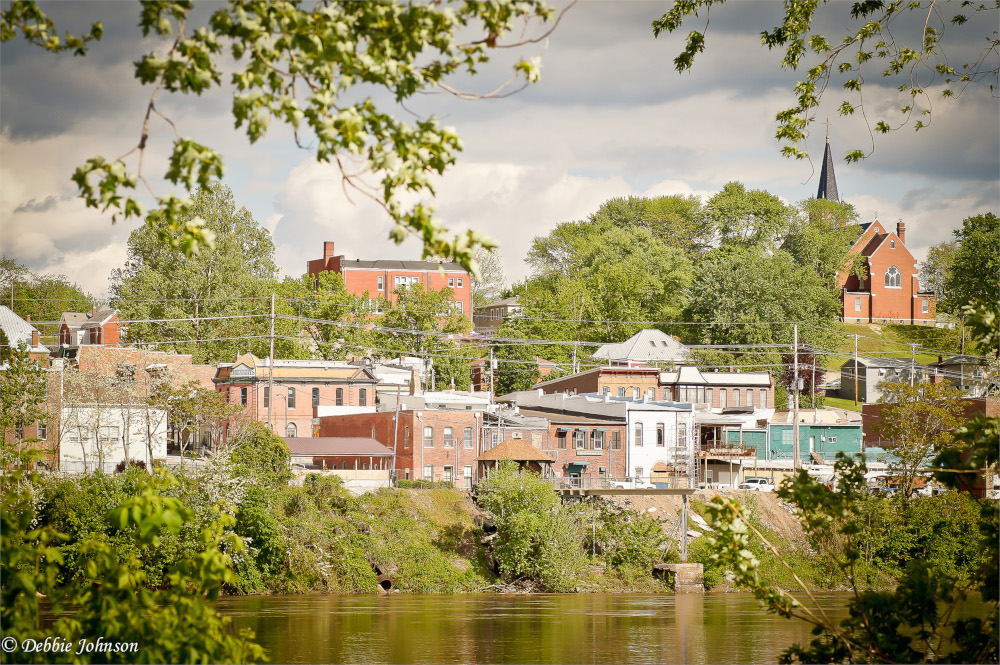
832 439
516 435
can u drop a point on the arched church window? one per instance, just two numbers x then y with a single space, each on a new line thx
893 278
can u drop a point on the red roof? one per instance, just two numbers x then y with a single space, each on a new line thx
335 446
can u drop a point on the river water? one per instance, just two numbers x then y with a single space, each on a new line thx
515 628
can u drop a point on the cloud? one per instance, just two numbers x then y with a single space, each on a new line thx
37 206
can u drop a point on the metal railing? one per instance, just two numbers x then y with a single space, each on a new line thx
628 482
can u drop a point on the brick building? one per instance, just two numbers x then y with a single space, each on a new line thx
890 293
19 331
381 278
100 326
619 381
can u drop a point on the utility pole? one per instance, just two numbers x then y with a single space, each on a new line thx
492 366
855 370
270 373
796 462
913 362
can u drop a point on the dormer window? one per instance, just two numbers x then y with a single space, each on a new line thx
893 278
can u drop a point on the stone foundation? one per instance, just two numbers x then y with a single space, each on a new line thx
686 577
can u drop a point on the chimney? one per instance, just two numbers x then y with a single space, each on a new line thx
34 337
901 231
328 249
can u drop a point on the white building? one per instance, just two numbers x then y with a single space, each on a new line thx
98 437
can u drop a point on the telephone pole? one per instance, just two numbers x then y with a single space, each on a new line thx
796 461
855 370
270 372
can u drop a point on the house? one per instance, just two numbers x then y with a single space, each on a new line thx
381 278
870 373
614 380
890 291
717 390
823 433
488 318
646 347
965 372
100 326
19 331
344 453
300 387
97 437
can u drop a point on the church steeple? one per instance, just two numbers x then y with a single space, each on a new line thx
827 179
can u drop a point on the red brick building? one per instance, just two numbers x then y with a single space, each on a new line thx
381 278
891 291
299 387
634 382
433 445
100 326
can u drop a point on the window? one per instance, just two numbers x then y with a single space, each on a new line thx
451 282
363 397
406 474
19 431
597 439
892 244
406 436
666 393
448 476
467 474
460 281
291 398
661 434
682 436
701 394
635 392
925 306
109 433
267 398
467 438
638 434
243 396
857 303
722 398
580 439
315 396
561 440
616 440
449 437
428 437
459 307
606 390
429 472
43 431
621 391
381 283
496 438
340 397
404 281
290 429
638 472
763 398
736 396
893 278
708 396
651 393
602 472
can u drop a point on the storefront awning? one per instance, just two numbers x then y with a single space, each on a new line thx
582 465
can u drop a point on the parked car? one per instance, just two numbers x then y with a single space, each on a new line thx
630 483
757 484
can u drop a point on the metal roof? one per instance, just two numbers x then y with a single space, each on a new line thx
17 330
336 446
650 345
827 179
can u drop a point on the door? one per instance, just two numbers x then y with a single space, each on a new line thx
448 475
468 477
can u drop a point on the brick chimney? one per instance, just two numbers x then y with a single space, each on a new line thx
328 249
34 338
901 231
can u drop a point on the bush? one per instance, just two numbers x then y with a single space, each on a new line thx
263 455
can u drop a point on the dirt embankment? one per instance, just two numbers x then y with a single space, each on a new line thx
773 513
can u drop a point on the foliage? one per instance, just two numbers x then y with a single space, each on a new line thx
820 237
744 218
308 68
23 393
935 271
213 305
517 368
976 263
536 540
490 284
627 538
111 596
905 40
42 297
262 455
915 423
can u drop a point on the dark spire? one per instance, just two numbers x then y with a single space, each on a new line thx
827 180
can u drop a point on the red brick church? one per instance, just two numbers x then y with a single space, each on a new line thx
891 291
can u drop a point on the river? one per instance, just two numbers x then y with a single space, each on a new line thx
514 628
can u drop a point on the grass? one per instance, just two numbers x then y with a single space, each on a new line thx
839 403
884 340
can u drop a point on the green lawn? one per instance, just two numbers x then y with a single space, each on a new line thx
893 341
839 403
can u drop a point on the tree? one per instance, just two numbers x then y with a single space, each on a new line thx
23 392
744 218
820 237
517 368
976 266
915 423
677 221
42 297
491 281
212 305
309 69
909 42
935 271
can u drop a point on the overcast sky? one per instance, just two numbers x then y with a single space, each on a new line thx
609 118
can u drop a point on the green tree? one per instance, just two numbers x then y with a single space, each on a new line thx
744 218
935 272
677 221
213 305
917 422
42 297
908 43
517 368
820 237
491 281
975 270
319 71
23 393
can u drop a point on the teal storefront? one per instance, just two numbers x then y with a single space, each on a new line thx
825 439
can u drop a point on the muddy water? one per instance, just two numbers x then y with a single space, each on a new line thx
541 628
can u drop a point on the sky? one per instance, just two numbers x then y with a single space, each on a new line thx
609 118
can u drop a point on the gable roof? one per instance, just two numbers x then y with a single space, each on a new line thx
333 446
895 363
650 345
514 449
17 330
